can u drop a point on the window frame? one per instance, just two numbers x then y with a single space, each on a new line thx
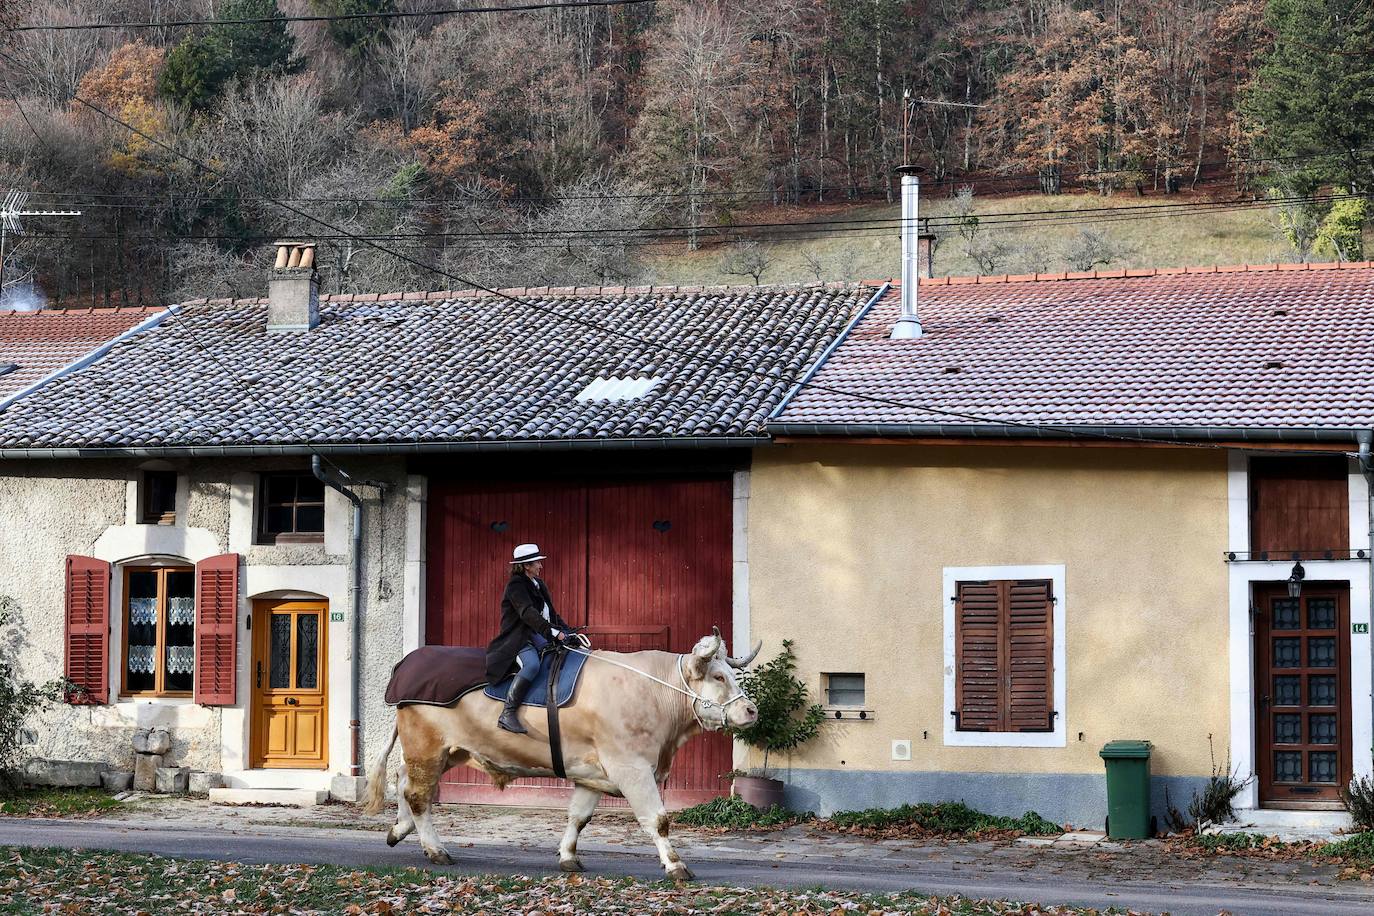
260 533
159 673
145 491
1057 736
846 711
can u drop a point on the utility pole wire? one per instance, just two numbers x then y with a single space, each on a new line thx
340 17
798 382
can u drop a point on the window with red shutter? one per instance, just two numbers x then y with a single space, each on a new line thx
217 591
1004 644
88 630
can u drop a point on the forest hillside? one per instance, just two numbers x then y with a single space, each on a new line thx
427 145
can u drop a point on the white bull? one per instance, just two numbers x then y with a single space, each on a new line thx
630 715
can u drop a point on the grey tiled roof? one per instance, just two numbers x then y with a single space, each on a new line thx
464 368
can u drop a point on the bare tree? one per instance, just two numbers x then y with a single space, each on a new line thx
989 252
276 134
1090 248
813 264
748 259
56 60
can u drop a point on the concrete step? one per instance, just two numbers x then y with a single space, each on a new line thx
300 798
1289 826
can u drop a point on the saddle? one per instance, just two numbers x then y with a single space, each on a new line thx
442 675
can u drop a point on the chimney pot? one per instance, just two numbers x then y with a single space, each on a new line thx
293 289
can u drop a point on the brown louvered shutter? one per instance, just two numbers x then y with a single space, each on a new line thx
1029 641
217 594
978 678
88 630
1004 637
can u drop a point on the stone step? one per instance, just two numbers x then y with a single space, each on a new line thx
1288 825
300 798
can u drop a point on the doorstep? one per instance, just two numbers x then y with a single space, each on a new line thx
1288 826
298 798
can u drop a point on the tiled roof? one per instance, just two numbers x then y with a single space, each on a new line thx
420 370
39 343
1280 347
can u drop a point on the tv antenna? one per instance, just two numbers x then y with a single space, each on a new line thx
10 211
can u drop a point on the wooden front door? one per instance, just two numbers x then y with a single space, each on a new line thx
1302 682
290 703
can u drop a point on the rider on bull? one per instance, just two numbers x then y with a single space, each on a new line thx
528 623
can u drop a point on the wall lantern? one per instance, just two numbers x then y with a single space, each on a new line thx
1295 580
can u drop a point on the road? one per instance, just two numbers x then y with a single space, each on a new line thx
341 847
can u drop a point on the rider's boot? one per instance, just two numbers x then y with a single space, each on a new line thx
518 688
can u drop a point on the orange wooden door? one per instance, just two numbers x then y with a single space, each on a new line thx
290 704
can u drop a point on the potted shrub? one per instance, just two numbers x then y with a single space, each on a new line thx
786 720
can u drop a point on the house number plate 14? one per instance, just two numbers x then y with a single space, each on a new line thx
1359 628
337 616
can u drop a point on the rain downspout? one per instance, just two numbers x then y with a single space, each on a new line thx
355 599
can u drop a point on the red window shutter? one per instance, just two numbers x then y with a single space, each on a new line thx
1029 653
217 599
88 629
978 678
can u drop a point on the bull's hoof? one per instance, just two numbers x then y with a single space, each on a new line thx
571 865
439 856
392 837
680 872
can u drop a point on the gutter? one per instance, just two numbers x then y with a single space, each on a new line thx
1032 431
99 352
391 448
355 594
825 354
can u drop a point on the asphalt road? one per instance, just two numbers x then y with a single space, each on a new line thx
369 849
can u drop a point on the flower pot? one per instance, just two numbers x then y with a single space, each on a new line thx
760 792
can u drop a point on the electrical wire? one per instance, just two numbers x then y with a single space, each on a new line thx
322 17
701 357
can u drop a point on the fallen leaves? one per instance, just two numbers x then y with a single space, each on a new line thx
58 882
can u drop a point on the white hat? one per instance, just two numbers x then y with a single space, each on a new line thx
527 553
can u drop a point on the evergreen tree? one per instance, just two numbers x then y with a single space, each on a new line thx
200 65
359 37
1313 94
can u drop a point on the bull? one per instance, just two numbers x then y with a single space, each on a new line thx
630 715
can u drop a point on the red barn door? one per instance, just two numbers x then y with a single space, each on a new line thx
644 565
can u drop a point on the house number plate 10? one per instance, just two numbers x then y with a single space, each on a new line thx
337 617
1359 628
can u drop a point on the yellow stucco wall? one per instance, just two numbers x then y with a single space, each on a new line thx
847 547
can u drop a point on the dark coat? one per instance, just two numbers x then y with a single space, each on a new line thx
522 615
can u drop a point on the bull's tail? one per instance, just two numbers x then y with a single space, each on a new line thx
376 778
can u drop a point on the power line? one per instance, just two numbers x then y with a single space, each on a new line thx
798 382
339 17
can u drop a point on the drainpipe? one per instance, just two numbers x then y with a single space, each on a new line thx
355 598
1365 438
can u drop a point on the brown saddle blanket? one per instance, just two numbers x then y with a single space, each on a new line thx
436 675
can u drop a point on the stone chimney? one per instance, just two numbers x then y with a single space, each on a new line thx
293 290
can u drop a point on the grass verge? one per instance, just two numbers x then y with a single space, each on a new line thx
54 880
45 802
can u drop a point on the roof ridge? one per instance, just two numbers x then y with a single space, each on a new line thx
1131 272
84 310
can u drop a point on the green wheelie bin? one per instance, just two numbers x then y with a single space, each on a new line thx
1128 789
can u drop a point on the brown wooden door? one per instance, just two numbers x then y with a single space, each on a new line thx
644 565
1302 682
290 703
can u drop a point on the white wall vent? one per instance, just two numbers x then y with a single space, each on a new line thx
616 388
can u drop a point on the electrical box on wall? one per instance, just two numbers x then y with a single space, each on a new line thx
901 750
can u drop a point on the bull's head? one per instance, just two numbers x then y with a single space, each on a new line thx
710 674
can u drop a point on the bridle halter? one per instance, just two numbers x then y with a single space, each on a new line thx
685 689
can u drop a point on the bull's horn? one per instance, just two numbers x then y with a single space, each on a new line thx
744 662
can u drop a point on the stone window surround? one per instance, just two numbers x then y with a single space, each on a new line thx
1058 737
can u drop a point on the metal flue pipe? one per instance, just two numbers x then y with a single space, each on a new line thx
908 326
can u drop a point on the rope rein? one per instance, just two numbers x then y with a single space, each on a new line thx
685 689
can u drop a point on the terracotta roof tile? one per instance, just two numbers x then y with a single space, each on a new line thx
39 343
1258 346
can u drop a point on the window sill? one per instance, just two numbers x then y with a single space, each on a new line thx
288 540
135 697
849 713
